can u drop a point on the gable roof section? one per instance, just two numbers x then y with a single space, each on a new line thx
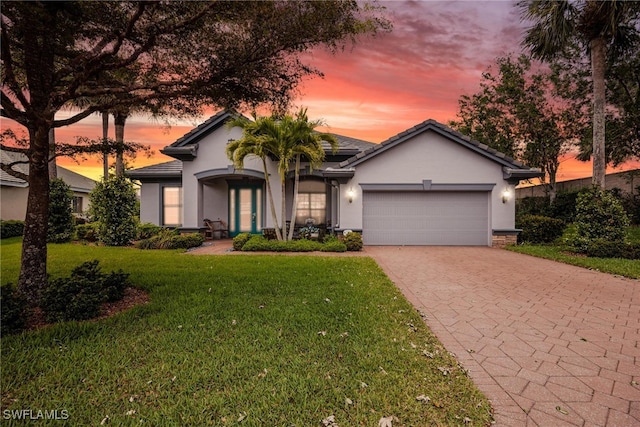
512 169
78 183
186 147
167 170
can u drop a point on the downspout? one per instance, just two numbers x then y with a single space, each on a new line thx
335 201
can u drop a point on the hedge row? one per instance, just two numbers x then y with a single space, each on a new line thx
11 228
249 243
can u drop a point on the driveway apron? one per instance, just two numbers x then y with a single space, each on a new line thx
549 344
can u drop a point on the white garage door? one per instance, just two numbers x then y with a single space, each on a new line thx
426 218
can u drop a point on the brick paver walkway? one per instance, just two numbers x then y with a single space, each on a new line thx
549 344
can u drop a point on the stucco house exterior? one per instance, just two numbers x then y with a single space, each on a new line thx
14 191
428 185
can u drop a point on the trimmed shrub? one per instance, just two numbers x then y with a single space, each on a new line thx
71 298
12 310
539 229
114 206
601 248
11 228
87 232
353 241
186 241
147 230
259 243
631 251
240 240
78 297
171 239
61 221
114 284
334 246
599 215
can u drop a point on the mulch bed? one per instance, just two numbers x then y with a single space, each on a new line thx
132 298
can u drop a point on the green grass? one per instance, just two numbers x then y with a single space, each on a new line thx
271 340
560 252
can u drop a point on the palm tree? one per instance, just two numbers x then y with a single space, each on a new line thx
307 143
598 28
260 139
287 140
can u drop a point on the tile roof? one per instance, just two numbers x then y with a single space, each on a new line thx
77 182
161 170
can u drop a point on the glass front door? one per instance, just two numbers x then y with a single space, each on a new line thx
245 208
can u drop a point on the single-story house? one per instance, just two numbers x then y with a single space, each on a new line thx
428 185
14 191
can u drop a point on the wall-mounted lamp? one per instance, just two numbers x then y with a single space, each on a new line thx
350 195
506 195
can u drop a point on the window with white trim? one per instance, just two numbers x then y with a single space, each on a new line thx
312 202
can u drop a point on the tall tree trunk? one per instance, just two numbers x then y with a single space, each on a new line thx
52 165
105 137
283 205
119 119
33 268
294 207
598 54
271 203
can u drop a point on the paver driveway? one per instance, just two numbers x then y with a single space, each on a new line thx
548 343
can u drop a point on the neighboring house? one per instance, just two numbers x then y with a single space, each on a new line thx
428 185
13 191
627 182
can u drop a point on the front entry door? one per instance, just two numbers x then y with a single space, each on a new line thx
245 208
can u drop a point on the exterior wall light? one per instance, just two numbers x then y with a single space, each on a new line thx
350 195
506 195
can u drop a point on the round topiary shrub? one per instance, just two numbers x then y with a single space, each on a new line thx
599 215
539 229
353 241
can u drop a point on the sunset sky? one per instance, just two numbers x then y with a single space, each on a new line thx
382 86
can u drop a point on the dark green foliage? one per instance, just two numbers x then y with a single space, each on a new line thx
631 204
11 228
87 232
599 215
353 241
147 230
114 207
171 239
114 284
240 240
261 244
539 229
331 243
61 222
12 310
78 297
601 248
71 298
563 207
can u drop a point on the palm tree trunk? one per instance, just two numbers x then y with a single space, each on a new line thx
105 136
598 53
271 203
294 208
283 206
119 120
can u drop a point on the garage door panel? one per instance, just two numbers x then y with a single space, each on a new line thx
426 218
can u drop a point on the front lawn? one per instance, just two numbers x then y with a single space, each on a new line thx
238 340
561 252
